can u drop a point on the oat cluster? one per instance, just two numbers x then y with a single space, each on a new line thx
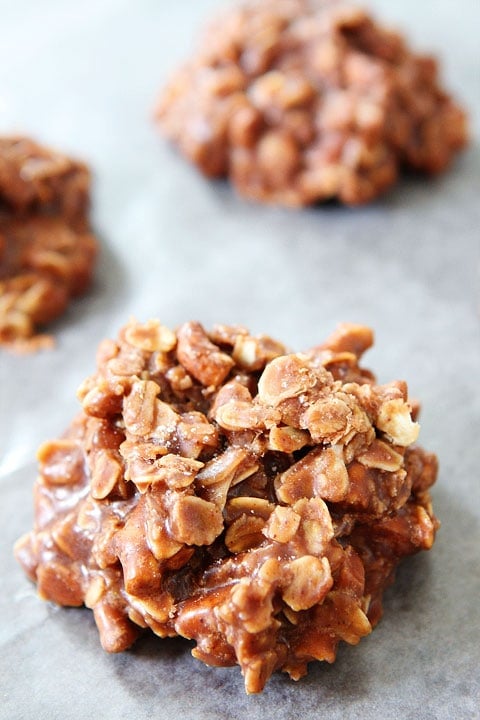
216 486
47 251
300 101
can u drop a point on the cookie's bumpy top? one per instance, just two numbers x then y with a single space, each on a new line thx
217 487
299 101
47 252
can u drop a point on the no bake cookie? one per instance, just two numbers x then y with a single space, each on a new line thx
47 251
300 101
216 486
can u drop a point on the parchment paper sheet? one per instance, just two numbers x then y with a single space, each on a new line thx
83 76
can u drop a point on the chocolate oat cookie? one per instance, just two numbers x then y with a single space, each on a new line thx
47 251
217 487
299 101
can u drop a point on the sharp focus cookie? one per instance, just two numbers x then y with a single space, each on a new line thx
216 486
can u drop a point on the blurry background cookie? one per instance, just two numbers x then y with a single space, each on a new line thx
299 101
47 251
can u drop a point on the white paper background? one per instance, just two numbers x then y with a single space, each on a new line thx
83 77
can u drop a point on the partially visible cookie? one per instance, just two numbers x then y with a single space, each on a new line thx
300 101
47 252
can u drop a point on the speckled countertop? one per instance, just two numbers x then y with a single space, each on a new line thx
83 77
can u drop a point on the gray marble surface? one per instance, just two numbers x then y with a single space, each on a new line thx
84 76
